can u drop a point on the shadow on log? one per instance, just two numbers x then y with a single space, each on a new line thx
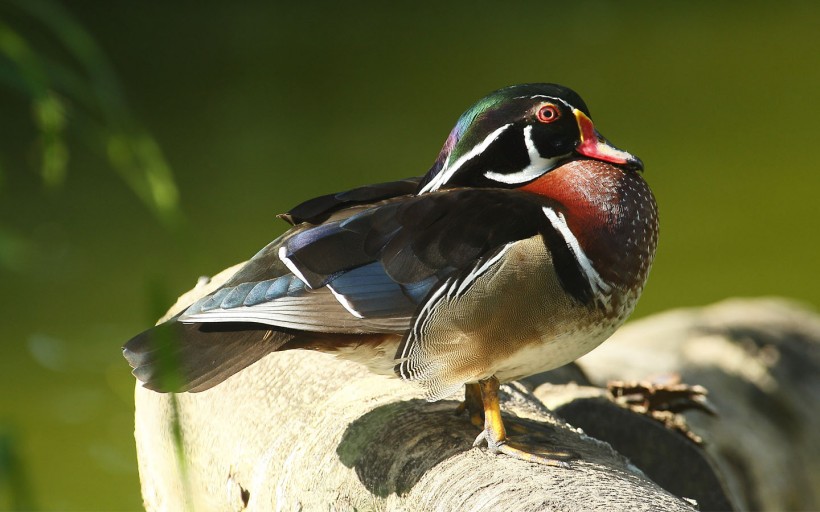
303 431
760 360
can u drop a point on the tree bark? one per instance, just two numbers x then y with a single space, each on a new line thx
760 360
302 430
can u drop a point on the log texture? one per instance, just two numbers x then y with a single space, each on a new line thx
760 359
302 430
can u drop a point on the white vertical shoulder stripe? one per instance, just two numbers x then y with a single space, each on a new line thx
598 285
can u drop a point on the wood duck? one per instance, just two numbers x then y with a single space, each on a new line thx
525 246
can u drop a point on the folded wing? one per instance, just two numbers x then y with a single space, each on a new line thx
364 270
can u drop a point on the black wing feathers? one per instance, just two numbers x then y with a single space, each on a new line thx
177 357
418 237
318 209
417 241
321 252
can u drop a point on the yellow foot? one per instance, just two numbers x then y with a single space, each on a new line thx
527 451
532 449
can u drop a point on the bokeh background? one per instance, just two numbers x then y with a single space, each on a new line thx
143 144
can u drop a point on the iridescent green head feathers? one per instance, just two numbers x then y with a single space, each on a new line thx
516 134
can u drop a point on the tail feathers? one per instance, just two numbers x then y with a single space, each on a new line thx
177 357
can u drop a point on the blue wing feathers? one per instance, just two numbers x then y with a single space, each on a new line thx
380 263
237 296
212 301
250 294
258 293
373 293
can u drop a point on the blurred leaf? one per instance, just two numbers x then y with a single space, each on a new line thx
139 161
15 489
49 116
14 251
170 371
164 340
48 111
30 70
81 92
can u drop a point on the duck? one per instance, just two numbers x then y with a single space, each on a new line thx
526 245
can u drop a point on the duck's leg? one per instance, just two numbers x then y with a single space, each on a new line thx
495 434
473 404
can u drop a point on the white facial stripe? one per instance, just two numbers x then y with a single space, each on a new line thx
553 98
344 302
283 256
598 285
448 171
538 164
531 149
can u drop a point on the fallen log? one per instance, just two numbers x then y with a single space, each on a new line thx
302 430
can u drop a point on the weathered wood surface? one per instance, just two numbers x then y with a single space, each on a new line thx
760 359
304 431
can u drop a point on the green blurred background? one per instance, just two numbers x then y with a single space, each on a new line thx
259 105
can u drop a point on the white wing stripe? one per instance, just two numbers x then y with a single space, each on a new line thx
283 251
451 288
344 302
476 273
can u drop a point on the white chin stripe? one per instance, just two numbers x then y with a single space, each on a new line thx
538 164
598 285
449 170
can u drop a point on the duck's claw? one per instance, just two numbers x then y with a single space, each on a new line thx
522 448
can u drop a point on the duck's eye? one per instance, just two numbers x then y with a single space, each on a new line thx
548 113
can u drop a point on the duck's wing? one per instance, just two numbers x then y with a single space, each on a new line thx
371 272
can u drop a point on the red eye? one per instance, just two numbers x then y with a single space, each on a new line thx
548 113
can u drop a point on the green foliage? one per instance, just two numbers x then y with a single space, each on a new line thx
72 87
158 300
14 250
15 491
